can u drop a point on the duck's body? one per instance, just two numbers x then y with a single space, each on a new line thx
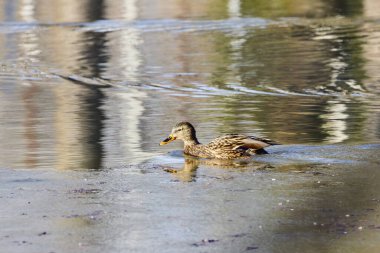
228 146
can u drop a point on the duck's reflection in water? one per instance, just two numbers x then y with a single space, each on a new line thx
188 173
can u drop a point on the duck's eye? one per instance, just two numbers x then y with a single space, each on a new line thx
177 130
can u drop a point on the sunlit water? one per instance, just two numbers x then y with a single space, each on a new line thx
89 89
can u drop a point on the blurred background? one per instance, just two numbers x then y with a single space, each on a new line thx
294 71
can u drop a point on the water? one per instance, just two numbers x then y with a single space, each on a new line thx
89 89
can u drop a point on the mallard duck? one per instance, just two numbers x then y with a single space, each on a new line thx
228 146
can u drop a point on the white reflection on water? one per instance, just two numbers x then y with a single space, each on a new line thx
127 9
234 8
124 51
27 10
125 54
335 125
131 112
129 57
237 41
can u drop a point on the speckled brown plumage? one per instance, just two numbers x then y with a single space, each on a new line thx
228 146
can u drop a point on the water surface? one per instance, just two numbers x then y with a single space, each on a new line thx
89 89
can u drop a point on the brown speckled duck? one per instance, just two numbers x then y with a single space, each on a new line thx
228 146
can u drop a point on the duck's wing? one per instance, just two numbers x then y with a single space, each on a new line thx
240 141
267 142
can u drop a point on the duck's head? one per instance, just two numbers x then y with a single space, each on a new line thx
182 131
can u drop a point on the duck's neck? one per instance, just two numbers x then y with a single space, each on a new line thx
191 142
191 147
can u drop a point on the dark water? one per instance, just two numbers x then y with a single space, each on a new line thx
89 88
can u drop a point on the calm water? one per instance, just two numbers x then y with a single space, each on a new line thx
89 88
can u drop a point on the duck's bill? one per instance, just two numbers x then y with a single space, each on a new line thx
167 140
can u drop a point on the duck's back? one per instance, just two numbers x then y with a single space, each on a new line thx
237 145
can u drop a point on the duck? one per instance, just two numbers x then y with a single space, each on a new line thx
229 146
